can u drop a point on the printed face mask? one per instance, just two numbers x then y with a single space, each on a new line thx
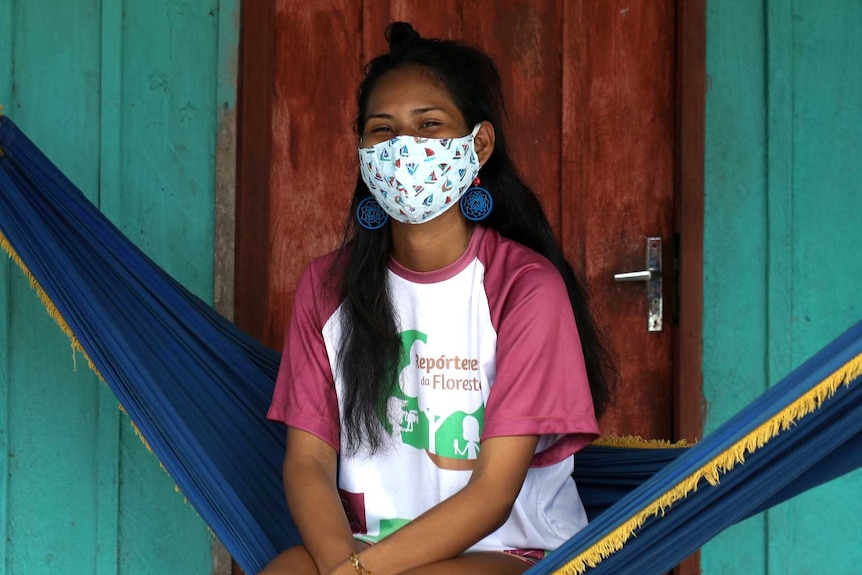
416 179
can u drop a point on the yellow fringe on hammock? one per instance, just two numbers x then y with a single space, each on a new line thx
720 465
55 315
46 301
638 442
76 345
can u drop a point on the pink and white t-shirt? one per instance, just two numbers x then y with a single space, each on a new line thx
490 349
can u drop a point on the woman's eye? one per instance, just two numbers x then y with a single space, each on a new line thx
379 129
429 124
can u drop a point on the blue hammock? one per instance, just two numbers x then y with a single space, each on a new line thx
197 388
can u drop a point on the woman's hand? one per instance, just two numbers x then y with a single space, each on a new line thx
468 516
448 529
343 568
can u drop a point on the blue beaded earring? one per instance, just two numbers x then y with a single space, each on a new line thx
477 203
370 215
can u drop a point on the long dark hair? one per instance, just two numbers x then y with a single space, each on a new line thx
370 341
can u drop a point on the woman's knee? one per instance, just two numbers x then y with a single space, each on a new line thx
481 563
294 561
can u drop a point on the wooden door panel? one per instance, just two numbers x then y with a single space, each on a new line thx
524 37
312 167
618 146
591 80
590 91
589 86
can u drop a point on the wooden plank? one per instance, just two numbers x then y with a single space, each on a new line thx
803 126
53 444
691 92
108 420
524 37
779 231
7 43
779 141
254 142
735 211
574 153
226 156
107 463
431 19
5 409
310 181
440 19
375 18
7 40
818 48
618 134
169 111
689 408
65 426
166 204
224 272
52 483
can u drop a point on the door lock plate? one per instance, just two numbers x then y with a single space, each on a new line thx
652 276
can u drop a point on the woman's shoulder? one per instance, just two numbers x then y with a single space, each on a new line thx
510 261
520 280
326 264
319 284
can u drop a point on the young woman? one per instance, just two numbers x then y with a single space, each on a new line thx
441 369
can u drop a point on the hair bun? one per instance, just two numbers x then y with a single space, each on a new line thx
400 34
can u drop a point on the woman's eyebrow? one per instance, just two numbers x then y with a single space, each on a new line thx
415 112
418 111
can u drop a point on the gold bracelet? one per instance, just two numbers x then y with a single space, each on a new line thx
358 566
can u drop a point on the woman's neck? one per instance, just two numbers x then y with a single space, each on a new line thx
432 245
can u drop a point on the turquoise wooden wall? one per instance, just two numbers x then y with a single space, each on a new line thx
783 199
126 98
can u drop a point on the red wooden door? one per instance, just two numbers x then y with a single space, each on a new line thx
591 82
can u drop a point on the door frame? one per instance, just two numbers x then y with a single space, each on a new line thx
688 217
689 406
254 117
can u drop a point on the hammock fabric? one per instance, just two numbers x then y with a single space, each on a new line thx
197 389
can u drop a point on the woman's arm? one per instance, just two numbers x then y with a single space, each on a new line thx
310 485
448 529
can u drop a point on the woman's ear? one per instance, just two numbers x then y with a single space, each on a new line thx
483 142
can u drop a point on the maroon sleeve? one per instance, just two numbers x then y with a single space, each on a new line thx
541 385
304 394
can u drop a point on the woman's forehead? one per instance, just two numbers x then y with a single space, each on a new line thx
408 89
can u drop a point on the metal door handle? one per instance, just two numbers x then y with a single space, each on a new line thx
652 276
641 276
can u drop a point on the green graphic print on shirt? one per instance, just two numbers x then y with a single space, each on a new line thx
453 434
387 528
